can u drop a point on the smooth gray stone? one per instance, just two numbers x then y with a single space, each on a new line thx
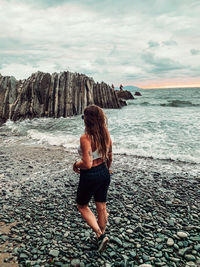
145 265
159 255
159 247
112 253
48 236
117 240
23 256
145 257
195 238
176 246
4 238
182 251
190 257
151 243
58 264
75 262
117 220
133 254
182 234
171 222
54 253
197 247
170 242
191 264
174 259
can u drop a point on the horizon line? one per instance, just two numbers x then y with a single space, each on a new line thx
171 87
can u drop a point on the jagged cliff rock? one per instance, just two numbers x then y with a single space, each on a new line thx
58 95
124 94
8 95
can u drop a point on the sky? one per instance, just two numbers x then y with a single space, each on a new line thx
151 43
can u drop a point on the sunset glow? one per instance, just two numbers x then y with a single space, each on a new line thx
171 85
174 83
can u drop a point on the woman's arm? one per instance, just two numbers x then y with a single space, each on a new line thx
87 158
109 160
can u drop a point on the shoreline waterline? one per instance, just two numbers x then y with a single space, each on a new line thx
159 124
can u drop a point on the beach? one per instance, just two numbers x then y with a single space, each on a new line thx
139 62
153 204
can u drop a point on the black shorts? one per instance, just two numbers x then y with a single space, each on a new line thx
93 182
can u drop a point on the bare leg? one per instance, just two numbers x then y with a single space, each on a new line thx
102 215
90 218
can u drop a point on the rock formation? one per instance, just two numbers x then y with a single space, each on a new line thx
58 95
138 94
124 94
122 102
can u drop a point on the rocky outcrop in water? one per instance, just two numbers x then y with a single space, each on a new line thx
57 95
122 102
124 94
138 94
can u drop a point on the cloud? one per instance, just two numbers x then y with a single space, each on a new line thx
195 52
153 44
161 64
111 42
169 43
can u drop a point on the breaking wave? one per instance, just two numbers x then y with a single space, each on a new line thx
170 103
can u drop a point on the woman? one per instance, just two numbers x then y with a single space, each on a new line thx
96 152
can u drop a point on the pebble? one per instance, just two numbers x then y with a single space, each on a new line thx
75 262
52 229
159 240
117 240
190 264
133 254
23 256
195 238
112 253
182 251
117 220
190 257
160 263
174 259
54 253
130 231
145 265
197 247
170 242
182 234
171 222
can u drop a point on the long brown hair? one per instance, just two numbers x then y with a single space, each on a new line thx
96 128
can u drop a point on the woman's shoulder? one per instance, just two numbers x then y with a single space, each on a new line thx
84 138
85 142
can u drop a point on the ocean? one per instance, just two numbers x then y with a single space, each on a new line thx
160 124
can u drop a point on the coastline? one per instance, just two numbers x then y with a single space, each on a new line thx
150 201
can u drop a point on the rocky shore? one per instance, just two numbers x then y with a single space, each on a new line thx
154 209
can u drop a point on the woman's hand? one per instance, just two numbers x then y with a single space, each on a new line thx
75 168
